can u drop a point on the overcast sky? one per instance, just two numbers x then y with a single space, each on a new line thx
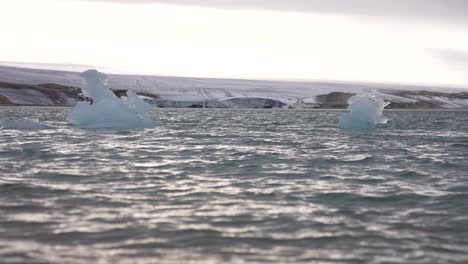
452 11
398 41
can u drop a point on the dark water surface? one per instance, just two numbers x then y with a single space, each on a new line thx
235 186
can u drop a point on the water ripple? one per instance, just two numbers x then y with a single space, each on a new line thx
235 186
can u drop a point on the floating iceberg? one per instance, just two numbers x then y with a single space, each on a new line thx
24 123
365 112
106 109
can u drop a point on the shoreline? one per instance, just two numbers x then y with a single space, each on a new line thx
272 109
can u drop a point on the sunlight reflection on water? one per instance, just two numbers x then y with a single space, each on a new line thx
275 186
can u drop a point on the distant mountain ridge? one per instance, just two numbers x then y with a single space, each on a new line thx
25 86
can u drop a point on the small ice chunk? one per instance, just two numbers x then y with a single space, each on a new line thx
107 110
365 112
24 123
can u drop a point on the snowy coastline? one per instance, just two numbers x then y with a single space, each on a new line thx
23 86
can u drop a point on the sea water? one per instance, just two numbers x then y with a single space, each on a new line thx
235 186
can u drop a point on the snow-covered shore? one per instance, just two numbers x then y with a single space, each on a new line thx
198 92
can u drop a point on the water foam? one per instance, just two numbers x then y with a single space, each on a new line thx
365 112
107 110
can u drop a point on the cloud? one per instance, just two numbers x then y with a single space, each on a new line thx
456 59
449 11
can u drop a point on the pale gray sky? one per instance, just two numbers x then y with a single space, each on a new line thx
456 59
452 11
399 41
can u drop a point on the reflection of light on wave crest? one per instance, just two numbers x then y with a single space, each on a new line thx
365 112
107 110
